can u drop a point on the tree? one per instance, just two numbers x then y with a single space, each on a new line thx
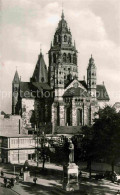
41 148
106 139
87 146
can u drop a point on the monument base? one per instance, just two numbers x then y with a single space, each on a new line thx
26 174
70 177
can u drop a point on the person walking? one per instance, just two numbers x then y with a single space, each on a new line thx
35 180
17 179
5 181
2 173
12 182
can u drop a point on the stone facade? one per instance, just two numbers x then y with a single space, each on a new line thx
73 102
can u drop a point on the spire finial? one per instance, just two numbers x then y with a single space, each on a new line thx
40 48
62 16
91 55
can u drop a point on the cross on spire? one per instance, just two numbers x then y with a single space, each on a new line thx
40 48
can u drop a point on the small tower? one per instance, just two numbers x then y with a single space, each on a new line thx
91 77
15 94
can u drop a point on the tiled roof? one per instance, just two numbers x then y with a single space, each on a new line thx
26 88
67 82
83 83
101 93
71 92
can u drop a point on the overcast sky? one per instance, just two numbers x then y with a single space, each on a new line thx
25 24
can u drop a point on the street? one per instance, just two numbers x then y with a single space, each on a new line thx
49 184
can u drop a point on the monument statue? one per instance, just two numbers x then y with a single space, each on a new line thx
70 172
71 152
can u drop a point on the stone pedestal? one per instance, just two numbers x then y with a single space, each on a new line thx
70 177
26 174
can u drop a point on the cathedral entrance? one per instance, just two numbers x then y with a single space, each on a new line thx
79 117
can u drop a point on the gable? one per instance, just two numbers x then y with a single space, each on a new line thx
75 84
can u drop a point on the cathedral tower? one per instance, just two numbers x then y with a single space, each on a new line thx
62 57
91 77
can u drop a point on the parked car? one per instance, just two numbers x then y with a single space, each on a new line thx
99 176
114 177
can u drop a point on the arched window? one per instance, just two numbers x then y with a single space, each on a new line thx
69 41
55 39
64 57
42 79
74 58
59 38
79 117
69 57
54 58
68 116
65 38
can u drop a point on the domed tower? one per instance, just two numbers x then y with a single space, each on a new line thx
62 48
91 77
15 94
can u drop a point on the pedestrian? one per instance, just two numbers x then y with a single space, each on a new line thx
12 181
5 181
21 172
17 179
34 180
2 173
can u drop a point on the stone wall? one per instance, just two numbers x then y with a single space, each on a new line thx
27 112
10 125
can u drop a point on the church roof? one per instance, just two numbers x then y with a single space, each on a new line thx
102 93
29 89
67 83
72 91
83 83
40 73
16 78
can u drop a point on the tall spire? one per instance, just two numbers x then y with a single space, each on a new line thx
16 77
40 73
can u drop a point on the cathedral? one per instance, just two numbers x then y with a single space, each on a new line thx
55 100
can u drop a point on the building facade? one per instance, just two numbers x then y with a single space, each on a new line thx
17 148
55 99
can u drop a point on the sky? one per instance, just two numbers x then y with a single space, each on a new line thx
27 25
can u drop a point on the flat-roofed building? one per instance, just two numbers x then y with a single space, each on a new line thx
17 148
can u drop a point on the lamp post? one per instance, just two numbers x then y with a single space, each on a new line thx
14 169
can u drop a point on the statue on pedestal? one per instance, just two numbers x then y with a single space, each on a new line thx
71 152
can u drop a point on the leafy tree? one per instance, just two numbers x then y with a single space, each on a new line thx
87 146
106 139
